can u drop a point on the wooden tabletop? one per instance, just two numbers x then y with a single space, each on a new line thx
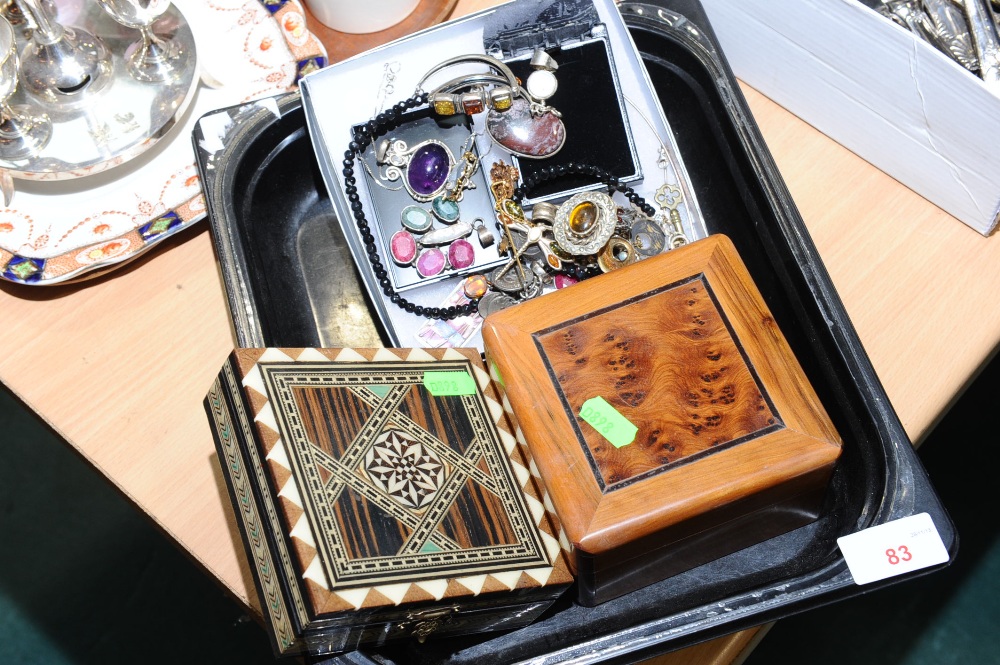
118 366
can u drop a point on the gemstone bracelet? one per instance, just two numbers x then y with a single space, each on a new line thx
364 135
519 119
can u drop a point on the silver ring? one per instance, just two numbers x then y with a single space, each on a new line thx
484 78
542 60
468 81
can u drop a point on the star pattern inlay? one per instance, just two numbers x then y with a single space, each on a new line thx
405 469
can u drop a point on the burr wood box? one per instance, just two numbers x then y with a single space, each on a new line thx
381 494
726 443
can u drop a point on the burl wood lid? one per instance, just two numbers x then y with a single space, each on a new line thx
683 347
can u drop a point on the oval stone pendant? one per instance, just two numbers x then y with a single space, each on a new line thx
428 170
416 219
445 209
526 135
584 223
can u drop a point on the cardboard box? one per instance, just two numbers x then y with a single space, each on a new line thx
342 96
877 89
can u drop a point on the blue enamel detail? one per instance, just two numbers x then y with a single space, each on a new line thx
160 225
24 269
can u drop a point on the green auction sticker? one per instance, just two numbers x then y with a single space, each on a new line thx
605 418
440 384
496 374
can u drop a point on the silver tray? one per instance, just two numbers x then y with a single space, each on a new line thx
120 120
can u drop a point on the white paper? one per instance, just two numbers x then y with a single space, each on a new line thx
893 548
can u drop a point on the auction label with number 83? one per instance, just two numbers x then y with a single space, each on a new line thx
893 548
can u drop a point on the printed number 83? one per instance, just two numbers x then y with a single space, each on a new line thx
902 553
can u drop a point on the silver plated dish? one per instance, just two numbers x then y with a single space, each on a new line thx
119 121
58 231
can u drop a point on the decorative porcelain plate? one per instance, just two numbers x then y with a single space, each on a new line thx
59 231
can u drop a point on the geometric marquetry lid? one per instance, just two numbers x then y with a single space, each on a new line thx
397 478
681 346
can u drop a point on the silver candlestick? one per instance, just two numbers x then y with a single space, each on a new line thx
65 67
23 132
153 58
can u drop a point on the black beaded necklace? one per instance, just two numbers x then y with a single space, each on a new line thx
388 120
613 183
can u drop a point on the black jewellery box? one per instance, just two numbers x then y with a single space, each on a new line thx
291 282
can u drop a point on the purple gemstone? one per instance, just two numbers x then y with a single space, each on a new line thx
403 247
461 254
430 262
428 169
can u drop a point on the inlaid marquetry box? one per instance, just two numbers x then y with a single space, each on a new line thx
731 445
381 494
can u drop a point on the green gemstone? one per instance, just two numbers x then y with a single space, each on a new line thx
416 219
512 209
445 209
560 252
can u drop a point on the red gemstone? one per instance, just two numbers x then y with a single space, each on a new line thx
473 103
461 254
403 247
562 281
430 262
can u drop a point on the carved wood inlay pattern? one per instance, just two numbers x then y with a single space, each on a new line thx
393 480
676 371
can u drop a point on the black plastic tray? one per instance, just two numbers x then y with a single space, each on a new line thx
265 192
